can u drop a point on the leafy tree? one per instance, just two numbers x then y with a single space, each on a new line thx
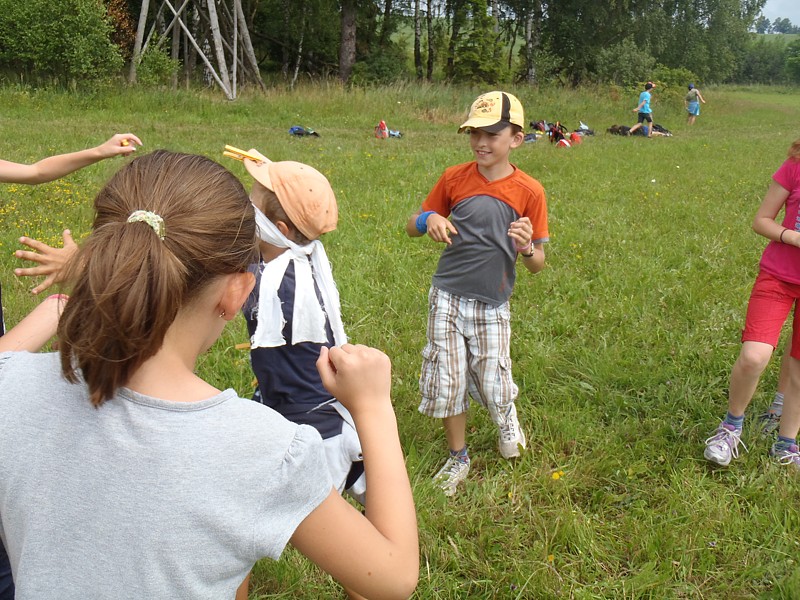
793 61
624 63
70 43
763 62
478 57
762 25
782 25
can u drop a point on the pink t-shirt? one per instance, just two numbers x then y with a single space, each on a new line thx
783 260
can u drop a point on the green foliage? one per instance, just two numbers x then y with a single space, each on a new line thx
156 67
479 52
763 61
624 63
793 61
383 67
68 40
673 82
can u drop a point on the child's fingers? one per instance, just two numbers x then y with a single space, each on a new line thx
327 371
44 285
33 244
66 235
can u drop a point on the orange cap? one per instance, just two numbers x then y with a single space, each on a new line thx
304 193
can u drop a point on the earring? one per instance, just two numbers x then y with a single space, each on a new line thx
222 314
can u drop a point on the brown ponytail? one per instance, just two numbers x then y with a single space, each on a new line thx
129 283
794 150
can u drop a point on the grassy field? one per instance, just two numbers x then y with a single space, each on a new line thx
622 346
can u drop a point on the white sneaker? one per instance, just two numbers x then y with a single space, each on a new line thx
451 474
511 436
723 446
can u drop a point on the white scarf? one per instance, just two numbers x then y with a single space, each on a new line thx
308 318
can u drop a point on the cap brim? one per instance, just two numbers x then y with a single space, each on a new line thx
259 169
489 127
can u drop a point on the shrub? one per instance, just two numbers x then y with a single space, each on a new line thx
156 67
386 66
624 64
68 40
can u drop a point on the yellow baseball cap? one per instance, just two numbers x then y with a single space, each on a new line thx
304 193
493 112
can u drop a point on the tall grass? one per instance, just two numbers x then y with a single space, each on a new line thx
621 347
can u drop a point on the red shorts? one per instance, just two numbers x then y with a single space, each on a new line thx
769 305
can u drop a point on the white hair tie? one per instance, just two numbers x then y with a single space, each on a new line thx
155 221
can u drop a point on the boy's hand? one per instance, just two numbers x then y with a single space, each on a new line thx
521 232
51 260
358 376
440 229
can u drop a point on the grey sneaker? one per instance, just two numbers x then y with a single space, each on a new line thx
789 457
769 423
451 474
511 436
723 446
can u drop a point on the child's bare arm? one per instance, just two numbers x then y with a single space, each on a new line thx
53 167
534 263
51 261
32 333
435 225
376 556
532 255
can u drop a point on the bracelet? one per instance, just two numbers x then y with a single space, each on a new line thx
57 297
532 252
780 239
523 248
422 221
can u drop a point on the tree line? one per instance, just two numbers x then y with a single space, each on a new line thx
571 42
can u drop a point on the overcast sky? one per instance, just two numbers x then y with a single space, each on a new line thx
789 9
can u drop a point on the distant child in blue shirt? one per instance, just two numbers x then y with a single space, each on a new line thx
645 113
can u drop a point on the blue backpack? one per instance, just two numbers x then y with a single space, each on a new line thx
302 131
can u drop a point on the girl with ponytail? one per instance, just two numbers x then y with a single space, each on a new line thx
124 474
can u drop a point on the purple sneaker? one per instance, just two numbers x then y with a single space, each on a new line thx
723 446
789 456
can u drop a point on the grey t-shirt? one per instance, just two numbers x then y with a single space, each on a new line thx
142 497
479 264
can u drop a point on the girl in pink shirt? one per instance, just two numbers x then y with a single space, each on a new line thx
775 292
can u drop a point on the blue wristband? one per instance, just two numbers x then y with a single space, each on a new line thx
422 221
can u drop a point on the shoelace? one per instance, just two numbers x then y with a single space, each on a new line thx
509 431
788 457
730 438
452 467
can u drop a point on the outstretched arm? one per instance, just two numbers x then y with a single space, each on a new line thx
36 328
53 167
376 555
51 261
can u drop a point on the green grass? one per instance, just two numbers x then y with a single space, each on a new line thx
622 346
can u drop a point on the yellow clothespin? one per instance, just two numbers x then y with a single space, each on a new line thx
237 154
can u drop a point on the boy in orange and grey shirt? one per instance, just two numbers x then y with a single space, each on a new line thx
496 212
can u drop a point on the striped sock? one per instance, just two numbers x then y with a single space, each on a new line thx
735 421
783 443
460 454
776 408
